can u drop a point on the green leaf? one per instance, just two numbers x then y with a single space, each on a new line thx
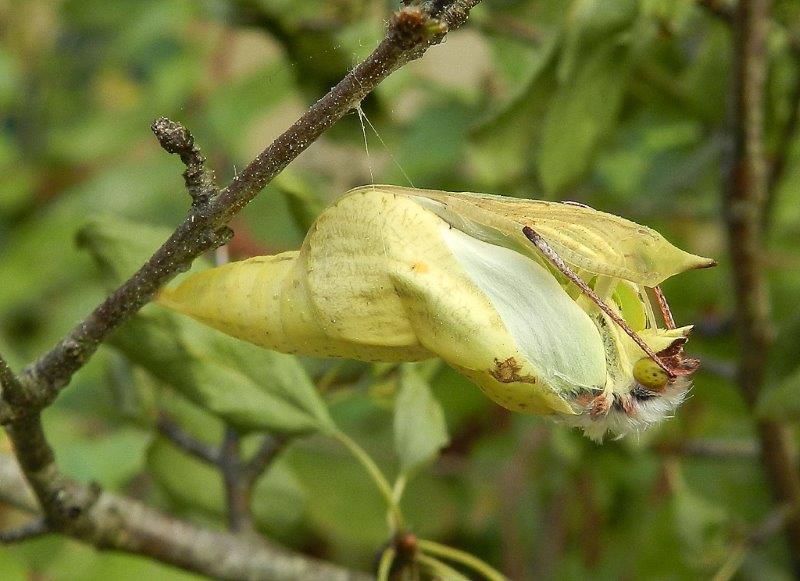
119 247
304 205
590 22
583 111
419 426
501 146
698 521
115 457
42 258
13 566
248 387
241 102
194 420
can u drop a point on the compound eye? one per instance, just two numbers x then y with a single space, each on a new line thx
649 374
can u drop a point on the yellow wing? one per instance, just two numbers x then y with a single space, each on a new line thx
585 238
399 274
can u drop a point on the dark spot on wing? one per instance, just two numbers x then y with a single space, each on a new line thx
507 371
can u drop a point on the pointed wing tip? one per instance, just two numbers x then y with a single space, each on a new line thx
693 262
705 262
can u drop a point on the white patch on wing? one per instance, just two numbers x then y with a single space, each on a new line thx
551 331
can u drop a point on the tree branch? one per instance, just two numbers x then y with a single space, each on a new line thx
411 32
744 201
111 522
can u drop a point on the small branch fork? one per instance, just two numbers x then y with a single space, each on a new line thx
239 476
110 522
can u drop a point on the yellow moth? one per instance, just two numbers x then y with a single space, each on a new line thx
543 305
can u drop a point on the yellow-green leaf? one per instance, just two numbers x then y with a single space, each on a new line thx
419 426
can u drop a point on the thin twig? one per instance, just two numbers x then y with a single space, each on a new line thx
238 491
33 529
513 482
726 12
175 138
7 377
787 134
747 184
270 448
411 32
239 477
172 431
238 488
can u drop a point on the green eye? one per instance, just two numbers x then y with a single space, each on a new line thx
649 374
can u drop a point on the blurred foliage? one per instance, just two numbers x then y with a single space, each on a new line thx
618 104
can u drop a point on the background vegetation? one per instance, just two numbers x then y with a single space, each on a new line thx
621 104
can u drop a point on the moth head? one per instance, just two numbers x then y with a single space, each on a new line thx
648 374
640 391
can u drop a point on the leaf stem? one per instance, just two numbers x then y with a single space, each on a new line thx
465 559
399 488
732 563
385 565
395 515
439 569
